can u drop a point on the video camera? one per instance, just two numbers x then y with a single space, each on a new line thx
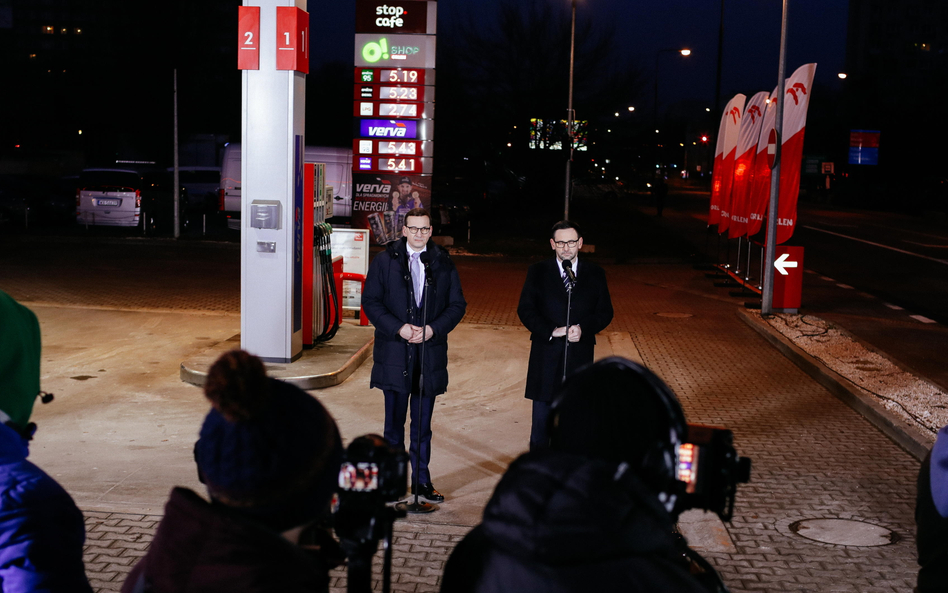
372 474
709 466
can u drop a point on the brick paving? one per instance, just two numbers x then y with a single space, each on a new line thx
813 456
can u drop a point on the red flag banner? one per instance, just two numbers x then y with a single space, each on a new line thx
724 161
746 153
758 197
796 101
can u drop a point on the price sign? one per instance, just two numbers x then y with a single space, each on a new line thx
399 76
393 93
393 110
393 147
416 165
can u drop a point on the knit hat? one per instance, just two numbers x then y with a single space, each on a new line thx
19 360
617 410
267 448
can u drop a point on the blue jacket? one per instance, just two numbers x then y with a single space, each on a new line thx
389 302
41 529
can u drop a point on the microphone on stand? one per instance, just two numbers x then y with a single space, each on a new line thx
568 268
426 262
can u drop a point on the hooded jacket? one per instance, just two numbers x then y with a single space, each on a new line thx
200 546
388 299
41 530
564 523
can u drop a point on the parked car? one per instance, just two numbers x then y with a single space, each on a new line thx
109 197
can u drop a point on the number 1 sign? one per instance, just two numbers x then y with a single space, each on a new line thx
292 39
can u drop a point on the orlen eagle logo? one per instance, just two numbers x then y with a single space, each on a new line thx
798 87
374 51
390 16
735 114
754 112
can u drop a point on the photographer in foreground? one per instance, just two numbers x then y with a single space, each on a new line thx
269 454
596 512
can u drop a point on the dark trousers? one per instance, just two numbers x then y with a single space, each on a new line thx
396 409
540 431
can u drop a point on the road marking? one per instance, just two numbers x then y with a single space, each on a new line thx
846 286
926 244
922 318
827 278
934 259
894 307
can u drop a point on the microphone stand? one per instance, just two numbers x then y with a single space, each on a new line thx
419 507
569 305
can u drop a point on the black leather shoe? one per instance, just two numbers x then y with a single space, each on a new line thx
428 492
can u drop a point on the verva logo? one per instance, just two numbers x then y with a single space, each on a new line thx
359 237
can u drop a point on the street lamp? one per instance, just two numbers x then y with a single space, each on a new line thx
685 53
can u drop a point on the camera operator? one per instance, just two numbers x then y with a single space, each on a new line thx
269 454
596 512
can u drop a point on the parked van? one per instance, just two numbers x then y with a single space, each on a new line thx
338 163
111 197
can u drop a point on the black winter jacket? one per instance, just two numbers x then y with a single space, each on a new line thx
563 523
389 302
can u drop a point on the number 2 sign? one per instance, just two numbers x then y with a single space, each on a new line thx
292 39
248 41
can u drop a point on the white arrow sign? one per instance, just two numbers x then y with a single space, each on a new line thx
782 264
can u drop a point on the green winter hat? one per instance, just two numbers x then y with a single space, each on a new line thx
19 360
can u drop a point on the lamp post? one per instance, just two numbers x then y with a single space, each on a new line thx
569 113
684 52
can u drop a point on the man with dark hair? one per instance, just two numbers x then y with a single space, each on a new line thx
548 292
413 296
596 510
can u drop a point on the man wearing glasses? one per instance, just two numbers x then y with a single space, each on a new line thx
546 295
395 298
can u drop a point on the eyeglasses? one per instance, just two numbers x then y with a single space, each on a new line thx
562 244
424 230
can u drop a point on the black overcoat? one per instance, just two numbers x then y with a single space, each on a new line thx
389 302
542 309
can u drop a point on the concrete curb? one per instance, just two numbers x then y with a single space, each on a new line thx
326 365
891 425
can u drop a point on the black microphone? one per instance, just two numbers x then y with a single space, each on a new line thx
568 268
426 262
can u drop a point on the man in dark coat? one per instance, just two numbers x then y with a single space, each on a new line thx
543 310
406 314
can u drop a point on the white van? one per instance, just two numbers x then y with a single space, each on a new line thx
110 197
338 163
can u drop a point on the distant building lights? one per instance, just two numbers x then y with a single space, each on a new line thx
631 108
685 52
48 30
842 75
80 132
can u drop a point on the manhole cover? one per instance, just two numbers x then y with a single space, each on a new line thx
675 315
844 532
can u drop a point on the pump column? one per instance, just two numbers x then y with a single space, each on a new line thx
273 54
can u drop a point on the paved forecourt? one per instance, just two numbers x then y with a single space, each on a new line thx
814 458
